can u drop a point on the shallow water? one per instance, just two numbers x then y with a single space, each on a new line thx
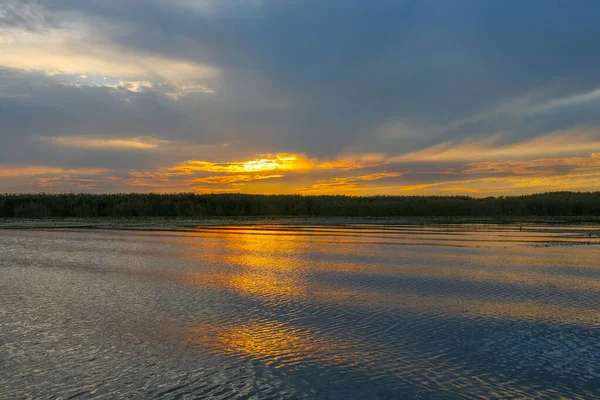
356 311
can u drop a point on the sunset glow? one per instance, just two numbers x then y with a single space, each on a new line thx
94 102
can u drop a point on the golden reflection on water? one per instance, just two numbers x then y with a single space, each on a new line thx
274 268
262 266
273 344
266 285
456 237
282 344
277 343
286 290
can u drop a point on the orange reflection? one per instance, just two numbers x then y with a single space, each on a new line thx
267 286
272 268
274 263
275 343
285 345
263 266
269 265
278 343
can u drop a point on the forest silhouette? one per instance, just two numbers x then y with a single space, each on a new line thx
246 205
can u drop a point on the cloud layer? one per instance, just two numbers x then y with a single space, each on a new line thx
266 96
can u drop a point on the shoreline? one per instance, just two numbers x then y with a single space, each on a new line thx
175 223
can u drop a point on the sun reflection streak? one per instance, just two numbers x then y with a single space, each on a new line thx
274 269
264 267
274 343
284 345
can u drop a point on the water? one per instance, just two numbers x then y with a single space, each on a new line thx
270 312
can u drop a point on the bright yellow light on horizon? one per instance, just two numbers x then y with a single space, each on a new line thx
261 165
280 162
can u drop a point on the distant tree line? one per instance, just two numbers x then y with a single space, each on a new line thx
230 205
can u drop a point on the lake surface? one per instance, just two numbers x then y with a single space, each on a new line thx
270 312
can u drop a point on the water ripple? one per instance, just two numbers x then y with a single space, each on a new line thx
270 312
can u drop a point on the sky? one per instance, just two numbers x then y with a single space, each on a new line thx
416 97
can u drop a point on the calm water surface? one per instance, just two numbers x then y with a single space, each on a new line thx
269 312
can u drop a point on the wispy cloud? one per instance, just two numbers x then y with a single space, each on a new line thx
567 101
570 142
340 185
355 161
76 49
51 178
233 179
534 167
39 170
136 143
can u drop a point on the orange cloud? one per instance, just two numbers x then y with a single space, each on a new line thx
537 166
202 189
409 188
39 170
355 162
282 162
460 189
279 162
512 177
377 176
577 181
297 173
230 179
511 184
160 179
80 183
48 177
568 142
139 143
344 184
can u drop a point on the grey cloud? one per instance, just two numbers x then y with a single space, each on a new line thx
37 105
26 14
320 77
